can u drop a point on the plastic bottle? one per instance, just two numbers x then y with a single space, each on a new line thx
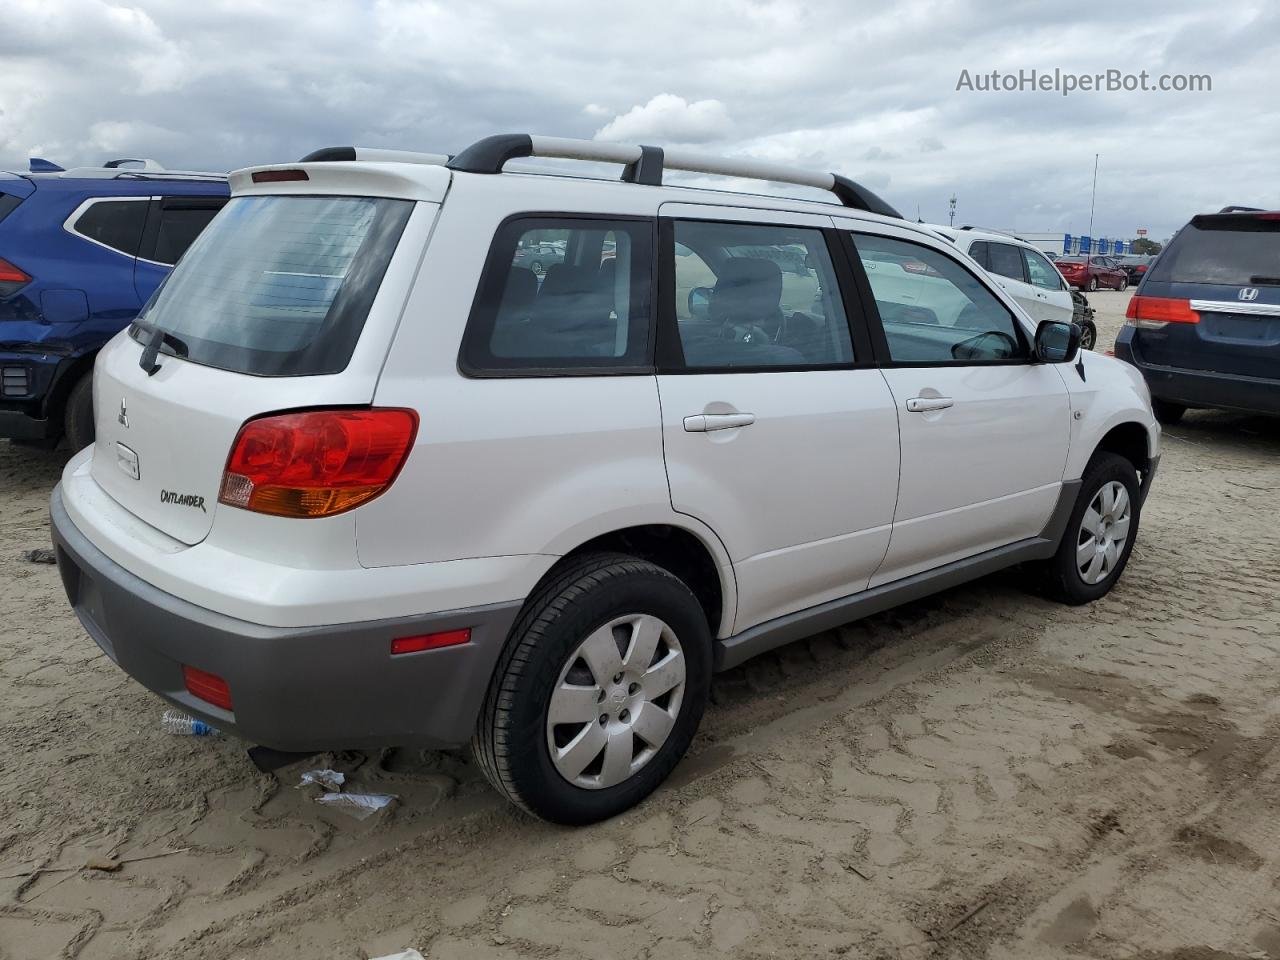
179 724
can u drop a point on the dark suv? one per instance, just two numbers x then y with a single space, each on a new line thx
80 252
1204 325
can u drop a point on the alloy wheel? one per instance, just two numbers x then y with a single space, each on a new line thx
1104 530
616 701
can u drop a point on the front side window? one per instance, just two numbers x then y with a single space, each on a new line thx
942 315
114 223
563 294
1040 271
1006 260
750 296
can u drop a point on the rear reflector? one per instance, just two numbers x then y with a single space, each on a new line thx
318 462
279 176
1155 311
208 687
430 641
11 274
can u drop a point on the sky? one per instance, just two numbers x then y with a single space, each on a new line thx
865 89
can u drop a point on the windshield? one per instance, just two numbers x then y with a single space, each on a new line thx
278 285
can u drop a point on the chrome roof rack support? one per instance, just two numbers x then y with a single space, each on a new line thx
645 165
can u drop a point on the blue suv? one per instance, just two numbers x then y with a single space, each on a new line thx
80 252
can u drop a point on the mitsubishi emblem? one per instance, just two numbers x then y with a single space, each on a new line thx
1248 293
123 416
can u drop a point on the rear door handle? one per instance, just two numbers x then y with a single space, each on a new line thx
707 422
925 404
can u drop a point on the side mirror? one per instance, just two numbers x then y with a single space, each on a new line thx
1057 342
700 303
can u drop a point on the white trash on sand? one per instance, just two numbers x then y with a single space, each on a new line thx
359 805
410 954
329 779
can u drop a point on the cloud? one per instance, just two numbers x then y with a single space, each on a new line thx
224 83
671 119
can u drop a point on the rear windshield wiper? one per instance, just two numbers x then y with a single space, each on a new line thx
1266 281
155 338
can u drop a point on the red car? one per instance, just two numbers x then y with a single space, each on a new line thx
1091 272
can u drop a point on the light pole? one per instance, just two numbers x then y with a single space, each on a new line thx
952 211
1092 199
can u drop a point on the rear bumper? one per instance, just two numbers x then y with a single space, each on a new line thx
306 688
1203 388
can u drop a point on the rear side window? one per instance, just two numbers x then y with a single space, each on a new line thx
754 296
8 203
563 295
280 285
114 223
1006 260
1228 249
978 250
179 223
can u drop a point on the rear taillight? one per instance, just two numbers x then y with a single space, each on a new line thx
11 278
318 462
1152 313
1141 268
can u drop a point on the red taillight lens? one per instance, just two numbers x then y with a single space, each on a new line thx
279 176
430 641
1161 310
208 687
1141 268
11 274
316 463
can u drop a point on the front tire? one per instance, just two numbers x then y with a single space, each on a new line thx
599 692
1088 335
1124 284
1100 533
77 419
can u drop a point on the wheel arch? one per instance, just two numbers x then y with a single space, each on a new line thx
55 401
697 557
1131 440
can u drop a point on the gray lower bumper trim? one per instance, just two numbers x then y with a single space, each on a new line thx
310 688
795 626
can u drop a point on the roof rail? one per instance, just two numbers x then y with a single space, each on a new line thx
334 154
644 164
1235 209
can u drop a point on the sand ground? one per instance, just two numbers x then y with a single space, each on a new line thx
984 774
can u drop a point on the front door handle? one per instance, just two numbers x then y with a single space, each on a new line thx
707 422
925 404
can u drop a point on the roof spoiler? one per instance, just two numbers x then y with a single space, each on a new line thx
645 164
338 154
41 165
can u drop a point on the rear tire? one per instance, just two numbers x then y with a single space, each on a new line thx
1093 284
1088 335
77 419
1166 412
555 650
1091 556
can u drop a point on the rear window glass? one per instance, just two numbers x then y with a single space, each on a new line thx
279 285
1233 250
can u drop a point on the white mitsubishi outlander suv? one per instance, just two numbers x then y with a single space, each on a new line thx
363 477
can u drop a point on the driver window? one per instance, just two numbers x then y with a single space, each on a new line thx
932 309
1041 271
750 296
